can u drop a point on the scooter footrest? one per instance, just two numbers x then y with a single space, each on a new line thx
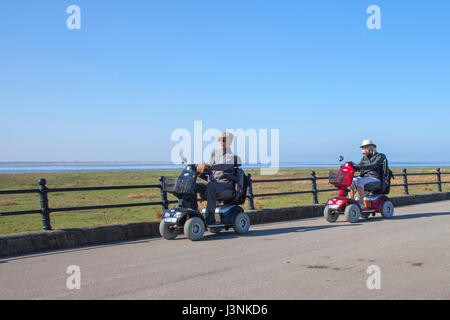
216 226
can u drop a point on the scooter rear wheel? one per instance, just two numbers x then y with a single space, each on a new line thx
241 223
331 216
387 210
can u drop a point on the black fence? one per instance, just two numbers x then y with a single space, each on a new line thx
45 209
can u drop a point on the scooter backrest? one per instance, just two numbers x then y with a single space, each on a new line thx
386 177
240 188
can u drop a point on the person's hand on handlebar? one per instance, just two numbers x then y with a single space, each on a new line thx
201 168
355 166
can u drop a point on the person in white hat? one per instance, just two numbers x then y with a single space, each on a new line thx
370 168
221 166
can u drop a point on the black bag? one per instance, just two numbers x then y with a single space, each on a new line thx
386 179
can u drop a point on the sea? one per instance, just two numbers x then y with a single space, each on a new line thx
36 167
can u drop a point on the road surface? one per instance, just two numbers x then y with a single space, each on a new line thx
407 257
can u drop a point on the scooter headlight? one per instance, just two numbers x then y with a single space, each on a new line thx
178 214
167 214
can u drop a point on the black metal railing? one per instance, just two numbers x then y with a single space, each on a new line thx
46 209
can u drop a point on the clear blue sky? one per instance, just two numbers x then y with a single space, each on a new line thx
137 70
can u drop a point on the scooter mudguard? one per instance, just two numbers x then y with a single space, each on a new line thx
375 202
228 212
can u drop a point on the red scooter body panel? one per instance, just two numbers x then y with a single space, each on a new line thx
341 202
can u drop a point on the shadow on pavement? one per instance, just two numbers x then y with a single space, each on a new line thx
268 232
378 217
75 249
419 215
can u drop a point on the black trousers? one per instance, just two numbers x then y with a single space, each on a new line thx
210 191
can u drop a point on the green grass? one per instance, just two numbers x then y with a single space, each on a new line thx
77 219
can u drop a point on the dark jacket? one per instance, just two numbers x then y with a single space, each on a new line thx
371 166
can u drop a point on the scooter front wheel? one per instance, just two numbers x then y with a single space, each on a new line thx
194 228
330 216
352 213
168 232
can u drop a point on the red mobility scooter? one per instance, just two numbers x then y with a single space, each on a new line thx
374 201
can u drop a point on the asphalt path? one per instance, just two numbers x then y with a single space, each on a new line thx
406 257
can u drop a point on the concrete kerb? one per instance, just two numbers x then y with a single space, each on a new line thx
28 242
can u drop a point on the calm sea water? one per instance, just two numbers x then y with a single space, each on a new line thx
24 167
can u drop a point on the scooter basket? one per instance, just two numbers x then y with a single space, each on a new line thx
179 185
338 178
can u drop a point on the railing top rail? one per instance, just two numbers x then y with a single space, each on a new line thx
80 189
103 188
281 180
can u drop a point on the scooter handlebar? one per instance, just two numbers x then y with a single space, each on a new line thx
206 170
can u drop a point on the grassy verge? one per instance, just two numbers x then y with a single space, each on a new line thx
76 219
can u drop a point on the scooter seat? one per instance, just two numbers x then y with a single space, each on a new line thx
225 195
372 186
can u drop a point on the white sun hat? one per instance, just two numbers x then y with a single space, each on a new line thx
368 142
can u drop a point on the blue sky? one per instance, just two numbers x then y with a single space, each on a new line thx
137 70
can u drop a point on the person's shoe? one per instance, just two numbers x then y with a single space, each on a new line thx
362 207
210 220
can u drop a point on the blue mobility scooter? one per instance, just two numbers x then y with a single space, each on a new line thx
188 219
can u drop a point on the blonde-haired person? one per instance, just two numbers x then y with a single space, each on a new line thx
220 167
370 168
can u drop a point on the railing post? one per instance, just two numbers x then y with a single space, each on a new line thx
405 181
165 202
251 203
439 181
43 190
314 187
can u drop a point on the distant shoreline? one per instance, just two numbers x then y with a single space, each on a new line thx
59 167
80 163
168 163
